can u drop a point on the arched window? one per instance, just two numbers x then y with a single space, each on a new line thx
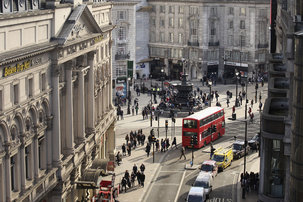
14 132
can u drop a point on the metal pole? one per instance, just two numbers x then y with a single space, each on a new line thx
192 156
165 132
210 95
236 104
158 123
245 145
246 100
153 152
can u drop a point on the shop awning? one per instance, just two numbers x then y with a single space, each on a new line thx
145 60
90 179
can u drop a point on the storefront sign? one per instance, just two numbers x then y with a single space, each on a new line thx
7 71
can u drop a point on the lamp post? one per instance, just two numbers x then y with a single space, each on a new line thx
151 101
129 95
237 77
245 151
162 79
210 83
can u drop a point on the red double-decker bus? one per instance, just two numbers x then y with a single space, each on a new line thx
204 126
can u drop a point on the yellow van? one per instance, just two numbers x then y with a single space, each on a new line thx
223 157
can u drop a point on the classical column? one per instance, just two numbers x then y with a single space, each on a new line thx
8 183
2 180
35 162
22 167
103 100
81 107
69 108
56 133
91 92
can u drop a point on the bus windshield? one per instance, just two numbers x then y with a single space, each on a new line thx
189 123
218 158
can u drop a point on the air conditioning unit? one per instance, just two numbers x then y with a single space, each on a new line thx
6 6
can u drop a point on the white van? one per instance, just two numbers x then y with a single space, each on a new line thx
196 194
204 180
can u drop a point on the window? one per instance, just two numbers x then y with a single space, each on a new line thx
189 133
212 28
13 174
242 24
106 50
16 94
27 163
162 9
181 9
213 11
30 87
180 22
41 159
231 11
171 37
153 8
153 21
242 11
121 33
120 70
43 82
171 22
102 52
162 38
189 123
121 15
162 22
231 24
193 10
180 38
171 9
242 40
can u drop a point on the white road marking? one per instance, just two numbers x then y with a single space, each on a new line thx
171 171
190 174
166 184
179 189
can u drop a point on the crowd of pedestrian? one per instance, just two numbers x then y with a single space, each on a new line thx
250 181
129 180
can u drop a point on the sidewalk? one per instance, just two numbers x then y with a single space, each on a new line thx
252 165
138 156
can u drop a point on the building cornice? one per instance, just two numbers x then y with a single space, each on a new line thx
213 2
25 14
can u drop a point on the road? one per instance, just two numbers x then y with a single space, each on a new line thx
172 182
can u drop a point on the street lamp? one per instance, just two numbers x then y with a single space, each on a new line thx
245 145
237 77
151 101
210 83
129 95
162 78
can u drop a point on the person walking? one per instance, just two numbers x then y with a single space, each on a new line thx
133 110
260 106
126 139
142 168
118 158
142 179
183 153
174 142
147 149
123 183
133 178
129 149
252 103
135 168
123 149
121 113
227 102
139 178
234 109
137 109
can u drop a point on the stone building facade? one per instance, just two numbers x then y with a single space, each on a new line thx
212 39
124 45
56 116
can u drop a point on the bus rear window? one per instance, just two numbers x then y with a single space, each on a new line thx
189 123
189 133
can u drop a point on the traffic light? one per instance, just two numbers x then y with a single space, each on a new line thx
257 86
192 141
166 124
195 139
156 117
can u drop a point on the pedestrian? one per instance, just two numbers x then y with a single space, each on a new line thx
241 99
252 117
121 113
249 110
142 179
133 110
212 150
137 109
227 102
260 106
123 150
167 143
174 142
157 145
162 145
234 109
126 139
126 176
123 183
183 153
252 103
135 168
129 149
133 178
118 158
147 149
142 168
260 97
139 178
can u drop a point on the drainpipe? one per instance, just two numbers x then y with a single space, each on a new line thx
296 156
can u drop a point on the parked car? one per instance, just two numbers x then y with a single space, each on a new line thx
239 149
196 194
209 166
254 142
204 180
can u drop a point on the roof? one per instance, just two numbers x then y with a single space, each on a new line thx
209 162
204 113
196 191
203 176
222 151
241 142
